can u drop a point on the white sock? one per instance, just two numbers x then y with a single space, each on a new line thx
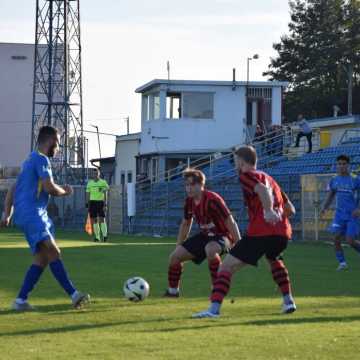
75 293
173 291
288 299
20 301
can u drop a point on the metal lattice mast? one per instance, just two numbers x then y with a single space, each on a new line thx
57 92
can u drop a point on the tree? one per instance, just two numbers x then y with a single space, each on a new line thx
317 55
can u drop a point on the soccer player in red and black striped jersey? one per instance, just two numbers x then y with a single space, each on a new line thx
218 231
268 233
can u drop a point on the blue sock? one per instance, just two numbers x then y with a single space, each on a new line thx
215 308
31 278
340 256
58 270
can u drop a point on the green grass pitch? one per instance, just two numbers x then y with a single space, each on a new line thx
326 325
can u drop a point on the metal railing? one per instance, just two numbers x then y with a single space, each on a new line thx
348 135
272 143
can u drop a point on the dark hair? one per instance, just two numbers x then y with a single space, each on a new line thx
247 153
197 176
344 158
45 133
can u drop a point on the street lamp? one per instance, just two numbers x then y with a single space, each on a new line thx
98 136
254 57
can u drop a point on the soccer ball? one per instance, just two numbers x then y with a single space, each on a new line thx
136 289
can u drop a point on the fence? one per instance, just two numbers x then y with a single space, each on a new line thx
70 212
313 195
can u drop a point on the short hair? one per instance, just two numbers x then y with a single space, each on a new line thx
45 133
344 158
197 175
247 153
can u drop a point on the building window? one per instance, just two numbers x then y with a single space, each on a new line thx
173 105
263 96
122 178
198 105
156 109
151 107
129 177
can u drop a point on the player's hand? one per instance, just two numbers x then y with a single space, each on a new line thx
271 216
356 213
289 210
68 190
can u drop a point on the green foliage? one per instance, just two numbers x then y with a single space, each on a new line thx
323 39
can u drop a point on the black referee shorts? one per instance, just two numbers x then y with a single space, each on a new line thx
196 244
251 248
96 209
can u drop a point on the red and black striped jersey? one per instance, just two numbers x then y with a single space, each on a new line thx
210 213
257 224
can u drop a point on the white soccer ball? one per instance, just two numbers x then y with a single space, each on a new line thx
136 289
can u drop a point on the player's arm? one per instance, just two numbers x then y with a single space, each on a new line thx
289 208
328 200
184 230
266 199
43 170
233 228
55 190
8 206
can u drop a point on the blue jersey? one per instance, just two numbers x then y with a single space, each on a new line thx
30 200
346 189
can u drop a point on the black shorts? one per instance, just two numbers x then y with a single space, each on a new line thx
251 248
196 244
96 209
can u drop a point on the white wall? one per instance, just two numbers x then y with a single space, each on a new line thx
221 133
125 153
16 78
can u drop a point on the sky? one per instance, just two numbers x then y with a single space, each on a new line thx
125 44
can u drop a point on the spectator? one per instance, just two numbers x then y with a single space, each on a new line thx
259 134
305 130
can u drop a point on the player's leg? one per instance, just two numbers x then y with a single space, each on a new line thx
221 286
176 260
339 252
352 231
214 250
96 228
31 278
94 220
103 225
247 251
276 245
59 272
338 228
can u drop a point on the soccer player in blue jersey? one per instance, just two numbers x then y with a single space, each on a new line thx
346 223
28 199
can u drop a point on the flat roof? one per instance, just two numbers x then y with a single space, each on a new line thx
157 82
133 136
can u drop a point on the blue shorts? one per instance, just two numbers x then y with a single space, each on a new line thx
37 230
347 227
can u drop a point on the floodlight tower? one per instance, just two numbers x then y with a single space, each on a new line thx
57 87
